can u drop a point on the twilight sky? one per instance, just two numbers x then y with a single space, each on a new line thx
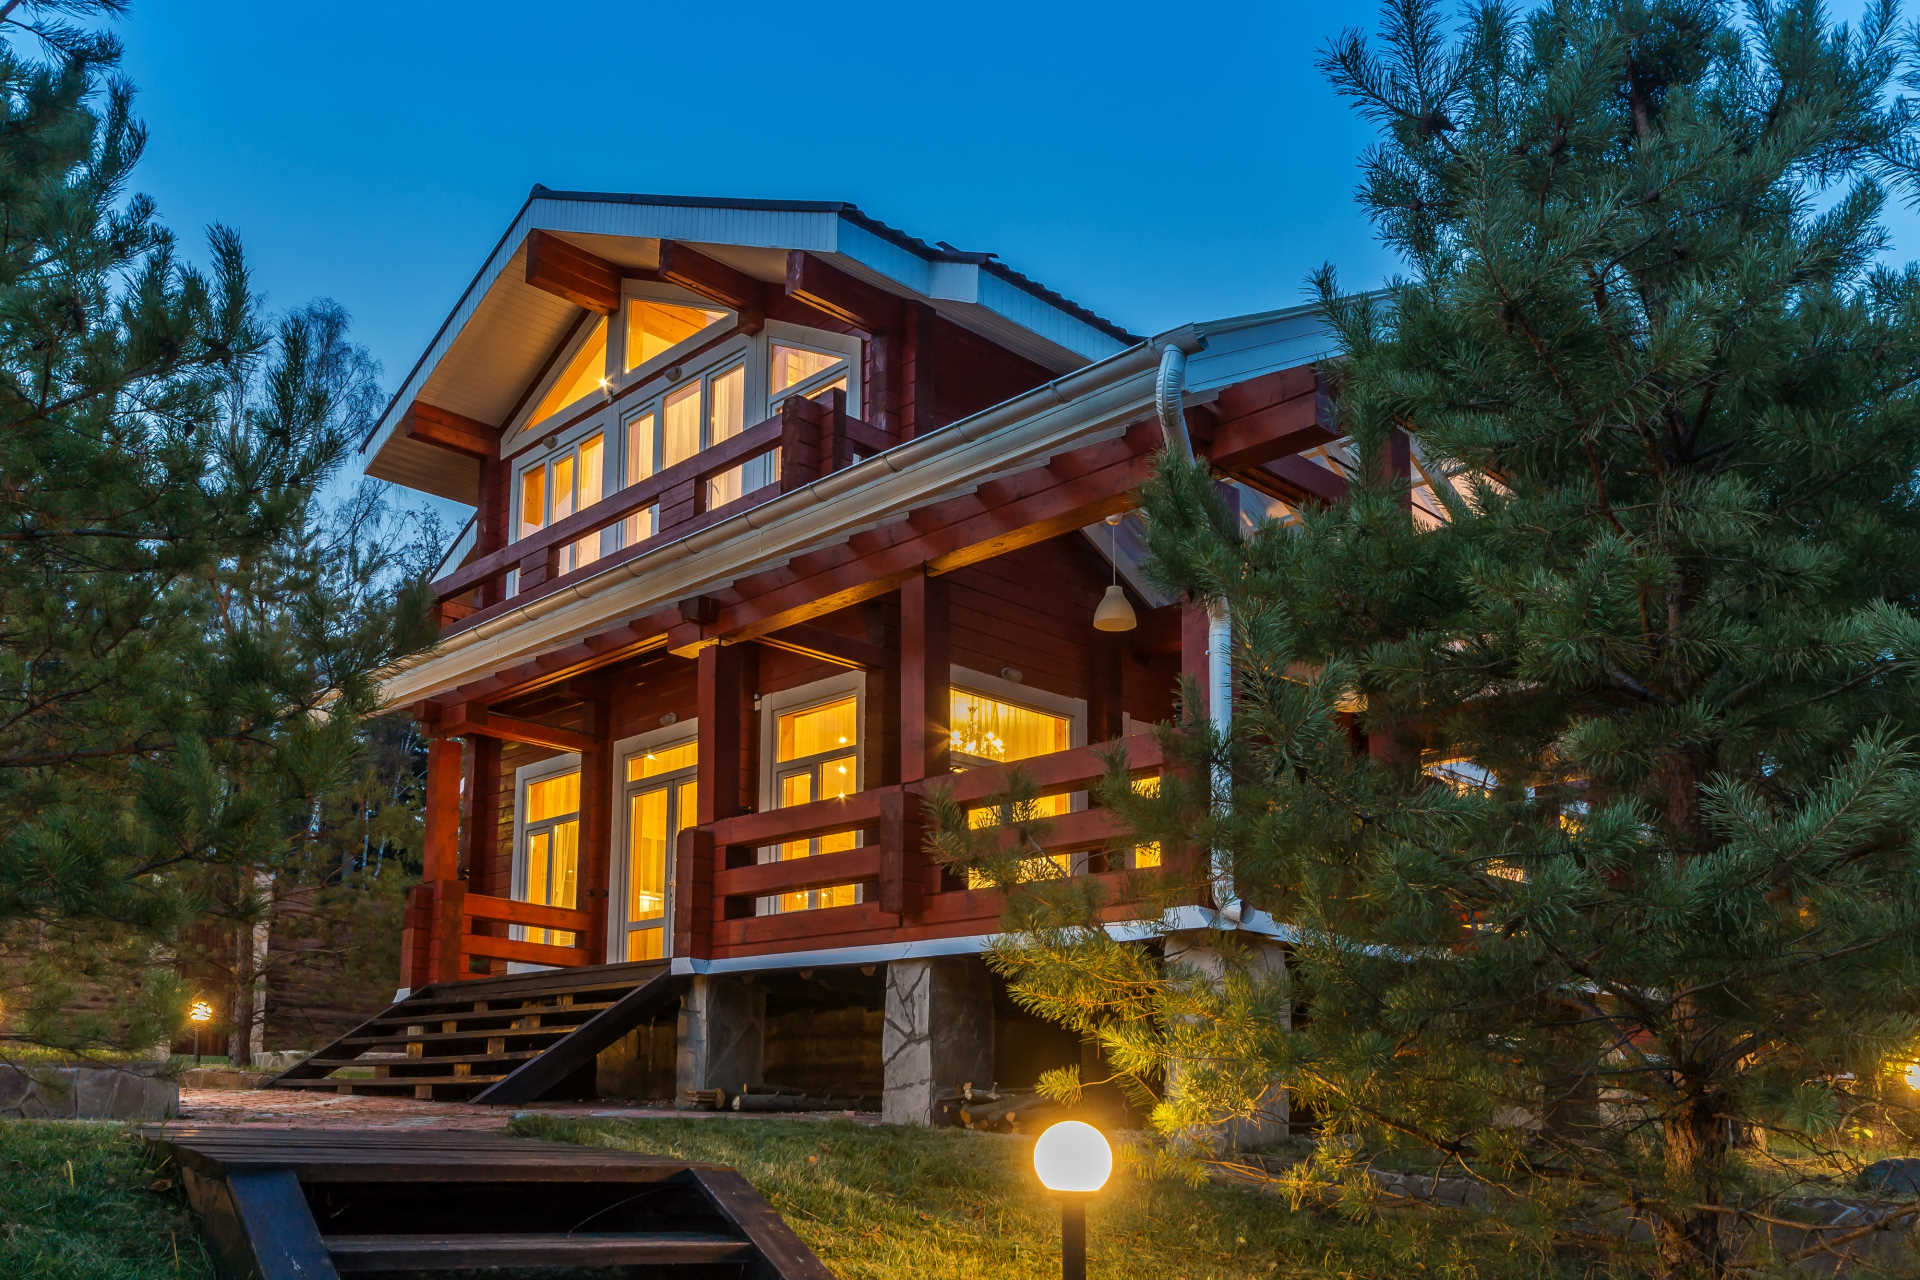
1158 163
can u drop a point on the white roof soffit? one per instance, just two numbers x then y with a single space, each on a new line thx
502 329
1082 407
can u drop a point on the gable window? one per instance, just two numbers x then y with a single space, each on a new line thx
582 374
794 370
654 328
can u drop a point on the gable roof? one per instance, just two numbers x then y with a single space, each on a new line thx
502 330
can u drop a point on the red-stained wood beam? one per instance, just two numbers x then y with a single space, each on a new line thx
926 675
570 272
1296 480
430 424
831 291
442 814
822 645
465 718
722 689
596 827
713 280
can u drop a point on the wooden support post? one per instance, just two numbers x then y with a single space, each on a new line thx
480 814
926 679
596 828
1193 651
722 694
693 860
1106 692
449 962
442 837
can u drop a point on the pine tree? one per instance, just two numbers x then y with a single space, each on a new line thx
184 650
1628 895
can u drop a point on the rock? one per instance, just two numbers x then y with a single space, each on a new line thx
1899 1176
221 1078
78 1092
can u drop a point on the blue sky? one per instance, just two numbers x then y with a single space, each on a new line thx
1158 163
1157 170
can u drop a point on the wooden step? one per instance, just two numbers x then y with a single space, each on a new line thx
437 1037
387 1082
430 1059
358 1254
409 1016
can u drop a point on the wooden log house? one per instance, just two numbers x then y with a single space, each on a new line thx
781 517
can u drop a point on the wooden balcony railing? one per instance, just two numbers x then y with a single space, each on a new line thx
719 878
905 894
811 438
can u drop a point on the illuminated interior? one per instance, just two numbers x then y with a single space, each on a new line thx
817 758
665 802
988 730
584 373
553 849
656 327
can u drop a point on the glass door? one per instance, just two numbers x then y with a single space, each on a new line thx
661 798
817 757
550 854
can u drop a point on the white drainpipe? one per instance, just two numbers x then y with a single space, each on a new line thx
1169 387
1220 712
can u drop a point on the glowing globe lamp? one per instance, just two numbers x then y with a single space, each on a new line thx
1913 1075
1072 1156
1073 1161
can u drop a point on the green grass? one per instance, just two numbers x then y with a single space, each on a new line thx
879 1203
84 1202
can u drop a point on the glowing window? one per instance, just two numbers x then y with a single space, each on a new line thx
988 730
816 758
654 328
553 797
584 373
790 366
651 764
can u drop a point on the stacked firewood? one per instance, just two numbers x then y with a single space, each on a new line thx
997 1110
766 1097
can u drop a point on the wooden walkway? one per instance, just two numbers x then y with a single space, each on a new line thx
293 1204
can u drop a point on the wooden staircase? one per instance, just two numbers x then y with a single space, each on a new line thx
511 1039
318 1204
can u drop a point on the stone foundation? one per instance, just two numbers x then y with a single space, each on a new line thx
938 1034
85 1092
721 1041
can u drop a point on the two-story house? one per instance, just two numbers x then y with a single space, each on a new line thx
781 517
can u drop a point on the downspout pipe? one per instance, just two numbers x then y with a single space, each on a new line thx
1169 389
1169 386
1220 713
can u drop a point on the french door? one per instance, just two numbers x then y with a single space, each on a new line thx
661 797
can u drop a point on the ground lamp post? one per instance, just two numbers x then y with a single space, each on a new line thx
1073 1161
200 1013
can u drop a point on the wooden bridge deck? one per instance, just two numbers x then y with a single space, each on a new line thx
293 1204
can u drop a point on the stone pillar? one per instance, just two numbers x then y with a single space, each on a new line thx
938 1034
1197 951
722 1034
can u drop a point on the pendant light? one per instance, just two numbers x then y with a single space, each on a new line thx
1114 613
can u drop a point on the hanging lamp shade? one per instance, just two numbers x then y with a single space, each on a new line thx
1114 613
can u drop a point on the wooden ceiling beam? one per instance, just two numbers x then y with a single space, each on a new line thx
822 645
568 271
463 718
713 280
827 289
1296 480
430 424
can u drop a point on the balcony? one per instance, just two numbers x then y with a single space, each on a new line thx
807 439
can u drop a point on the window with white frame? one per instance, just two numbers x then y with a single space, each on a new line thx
547 844
811 743
680 385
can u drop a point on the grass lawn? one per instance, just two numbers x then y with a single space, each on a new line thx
941 1204
82 1202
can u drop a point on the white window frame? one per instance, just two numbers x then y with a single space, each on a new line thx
625 749
841 346
525 775
775 705
1025 695
524 426
648 291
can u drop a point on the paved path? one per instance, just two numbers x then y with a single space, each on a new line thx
306 1109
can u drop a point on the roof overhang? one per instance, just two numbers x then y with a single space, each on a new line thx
503 330
1091 404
